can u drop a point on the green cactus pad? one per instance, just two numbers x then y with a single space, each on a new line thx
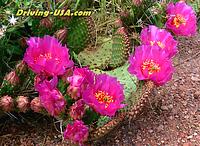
97 58
120 49
79 33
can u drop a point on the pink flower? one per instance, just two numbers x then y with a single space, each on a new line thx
137 2
36 105
22 103
151 63
77 110
78 82
181 19
7 103
47 55
77 132
50 97
105 95
12 78
159 37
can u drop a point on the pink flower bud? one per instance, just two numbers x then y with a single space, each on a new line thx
36 105
46 22
124 14
12 78
23 42
118 23
137 2
23 103
21 67
61 34
68 73
6 102
77 110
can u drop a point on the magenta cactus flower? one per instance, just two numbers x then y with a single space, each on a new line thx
50 97
77 110
105 95
77 132
6 103
154 36
78 82
22 103
46 55
151 63
36 105
181 19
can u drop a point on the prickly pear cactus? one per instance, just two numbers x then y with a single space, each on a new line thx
80 33
97 58
120 48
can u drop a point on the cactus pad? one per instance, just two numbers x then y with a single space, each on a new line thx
120 48
97 58
80 33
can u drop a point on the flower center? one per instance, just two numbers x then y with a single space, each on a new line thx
159 43
151 66
178 20
104 97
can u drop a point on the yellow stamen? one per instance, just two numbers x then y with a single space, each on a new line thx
104 97
151 66
178 20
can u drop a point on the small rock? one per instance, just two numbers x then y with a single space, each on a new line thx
165 108
195 134
160 128
187 144
193 78
150 131
190 137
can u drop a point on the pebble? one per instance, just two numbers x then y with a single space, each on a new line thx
165 108
190 137
193 78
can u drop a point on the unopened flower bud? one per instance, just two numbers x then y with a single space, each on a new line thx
36 105
46 22
12 78
68 73
77 110
23 42
118 23
124 14
137 2
21 67
22 103
6 103
61 34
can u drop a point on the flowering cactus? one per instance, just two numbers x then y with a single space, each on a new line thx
151 63
47 55
154 36
105 95
77 132
181 19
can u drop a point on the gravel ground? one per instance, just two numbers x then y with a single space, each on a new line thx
173 120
